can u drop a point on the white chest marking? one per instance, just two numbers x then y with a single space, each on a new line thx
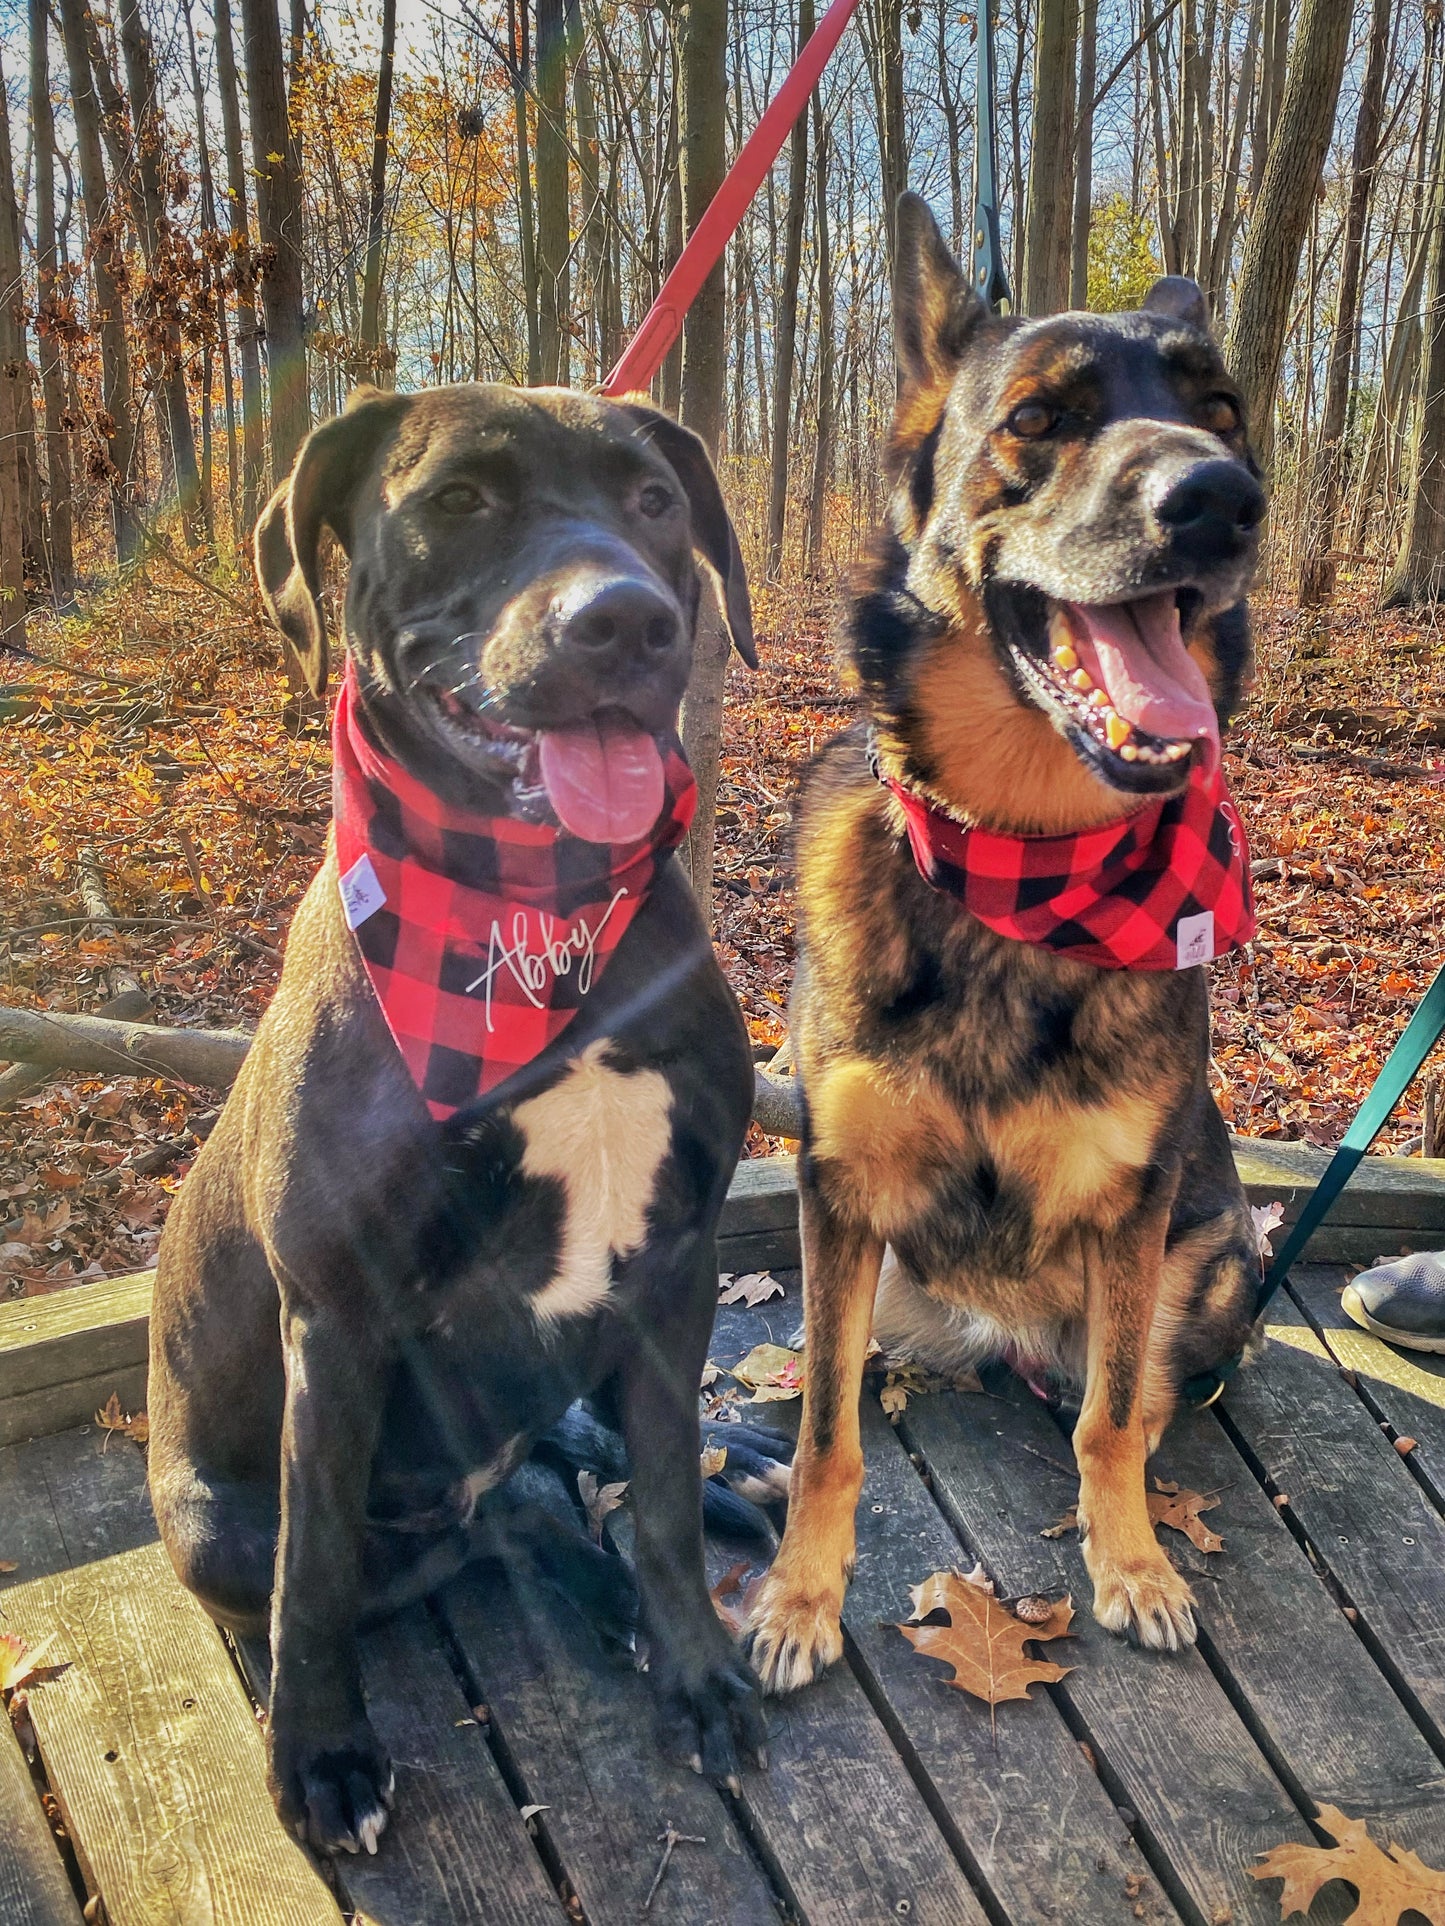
603 1135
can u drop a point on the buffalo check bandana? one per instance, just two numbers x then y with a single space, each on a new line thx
481 935
1164 889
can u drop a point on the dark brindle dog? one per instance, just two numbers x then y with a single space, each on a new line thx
364 1317
1046 632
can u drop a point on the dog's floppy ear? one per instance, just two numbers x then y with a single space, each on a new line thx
317 492
713 534
934 308
1178 298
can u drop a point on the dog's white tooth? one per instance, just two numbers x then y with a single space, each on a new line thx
1117 730
1100 700
1130 752
1082 681
1065 657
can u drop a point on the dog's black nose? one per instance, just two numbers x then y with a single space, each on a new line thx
621 622
1214 502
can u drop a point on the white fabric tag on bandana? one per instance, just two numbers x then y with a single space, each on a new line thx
362 895
1194 936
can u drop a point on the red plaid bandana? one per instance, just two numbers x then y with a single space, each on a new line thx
1164 889
481 935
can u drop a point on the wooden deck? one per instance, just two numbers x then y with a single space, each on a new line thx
1139 1788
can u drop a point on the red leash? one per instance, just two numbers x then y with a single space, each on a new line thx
662 323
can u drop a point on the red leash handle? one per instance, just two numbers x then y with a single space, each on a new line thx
662 324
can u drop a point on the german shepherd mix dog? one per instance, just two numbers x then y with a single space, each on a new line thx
1048 634
473 1164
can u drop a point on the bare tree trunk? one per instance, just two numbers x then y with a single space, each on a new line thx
1084 154
160 305
1045 286
279 215
253 427
704 156
785 345
1282 209
517 41
1419 571
948 100
1322 498
553 218
883 26
594 208
382 361
823 448
107 271
14 478
60 536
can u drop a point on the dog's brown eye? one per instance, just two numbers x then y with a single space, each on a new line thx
460 498
1031 420
1220 415
655 500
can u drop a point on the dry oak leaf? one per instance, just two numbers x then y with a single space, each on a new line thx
18 1661
1168 1505
599 1500
771 1372
984 1641
756 1288
134 1425
714 1457
1390 1883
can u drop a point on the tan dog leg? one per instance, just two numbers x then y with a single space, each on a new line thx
795 1622
1137 1592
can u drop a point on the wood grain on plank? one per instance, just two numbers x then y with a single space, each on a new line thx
34 1888
1354 1497
147 1737
1161 1725
1406 1387
1311 1686
1397 1193
455 1850
578 1723
1005 1785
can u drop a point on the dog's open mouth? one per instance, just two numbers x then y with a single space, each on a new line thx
1118 675
600 777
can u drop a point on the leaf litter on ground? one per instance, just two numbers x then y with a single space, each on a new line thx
984 1640
1390 1882
756 1288
1169 1504
771 1372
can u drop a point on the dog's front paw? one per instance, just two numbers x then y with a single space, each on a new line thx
795 1632
712 1719
1146 1602
334 1792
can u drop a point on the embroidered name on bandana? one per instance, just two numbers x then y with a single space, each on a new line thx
481 935
1165 889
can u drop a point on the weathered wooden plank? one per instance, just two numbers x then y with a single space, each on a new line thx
1329 1716
1164 1732
34 1889
456 1849
763 1195
1369 1521
79 1333
759 1250
60 1407
147 1738
1006 1785
1399 1193
579 1727
1406 1388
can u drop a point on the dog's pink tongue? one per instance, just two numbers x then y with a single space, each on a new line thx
604 780
1135 653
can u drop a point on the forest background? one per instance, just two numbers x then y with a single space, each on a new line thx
213 225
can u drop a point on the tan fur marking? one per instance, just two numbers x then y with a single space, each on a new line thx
603 1134
994 760
889 1139
1076 1158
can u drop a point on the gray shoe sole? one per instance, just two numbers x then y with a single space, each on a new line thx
1406 1340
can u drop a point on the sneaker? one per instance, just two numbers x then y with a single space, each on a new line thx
1402 1302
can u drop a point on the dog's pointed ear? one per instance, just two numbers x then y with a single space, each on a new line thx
317 493
713 534
934 308
1177 298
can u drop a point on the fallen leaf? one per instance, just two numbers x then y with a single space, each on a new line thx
1168 1505
756 1288
733 1582
599 1500
714 1457
894 1398
135 1426
771 1372
1267 1218
1389 1883
8 1565
19 1661
984 1641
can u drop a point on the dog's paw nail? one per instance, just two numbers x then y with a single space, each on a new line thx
696 1763
760 1758
734 1785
